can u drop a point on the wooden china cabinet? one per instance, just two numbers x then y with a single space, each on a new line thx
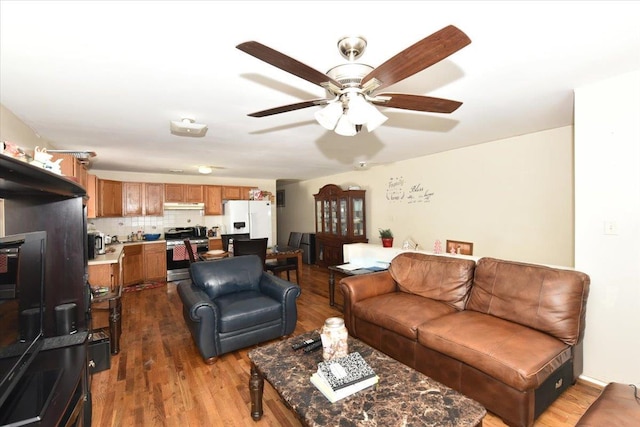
340 219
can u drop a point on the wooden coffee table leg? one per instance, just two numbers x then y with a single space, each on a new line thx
256 387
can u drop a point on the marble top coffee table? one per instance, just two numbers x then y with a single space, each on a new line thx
403 396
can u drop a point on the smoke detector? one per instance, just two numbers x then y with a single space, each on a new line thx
188 127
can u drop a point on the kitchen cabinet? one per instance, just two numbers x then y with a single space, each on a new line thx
109 198
153 199
71 166
189 193
340 219
212 200
155 261
132 264
106 274
235 192
215 244
92 196
142 199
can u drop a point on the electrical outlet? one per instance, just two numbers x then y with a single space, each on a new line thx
611 228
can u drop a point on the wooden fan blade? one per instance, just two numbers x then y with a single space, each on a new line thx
418 103
285 63
419 56
290 107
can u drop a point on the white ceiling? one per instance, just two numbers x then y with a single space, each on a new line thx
110 76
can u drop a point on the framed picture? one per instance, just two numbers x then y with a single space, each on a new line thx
280 198
459 248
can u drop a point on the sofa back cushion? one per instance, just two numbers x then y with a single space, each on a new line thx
551 300
441 278
228 275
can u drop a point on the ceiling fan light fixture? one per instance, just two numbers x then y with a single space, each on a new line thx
360 111
345 127
376 118
188 127
328 117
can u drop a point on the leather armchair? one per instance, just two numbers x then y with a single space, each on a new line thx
232 303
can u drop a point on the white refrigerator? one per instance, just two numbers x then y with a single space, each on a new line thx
249 216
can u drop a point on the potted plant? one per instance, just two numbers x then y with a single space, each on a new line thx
386 236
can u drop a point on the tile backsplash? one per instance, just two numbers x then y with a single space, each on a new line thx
124 226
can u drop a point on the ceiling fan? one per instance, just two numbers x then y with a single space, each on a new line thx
353 88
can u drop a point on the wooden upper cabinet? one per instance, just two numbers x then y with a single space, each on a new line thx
70 166
174 193
109 197
153 199
235 193
143 199
212 200
190 193
133 197
92 196
193 193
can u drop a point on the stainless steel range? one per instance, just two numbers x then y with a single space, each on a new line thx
177 265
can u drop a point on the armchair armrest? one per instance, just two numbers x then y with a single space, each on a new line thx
286 293
201 316
358 288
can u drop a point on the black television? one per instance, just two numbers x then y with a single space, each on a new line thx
22 305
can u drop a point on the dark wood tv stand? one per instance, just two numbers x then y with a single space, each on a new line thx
36 199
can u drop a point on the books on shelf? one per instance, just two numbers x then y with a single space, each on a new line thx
342 377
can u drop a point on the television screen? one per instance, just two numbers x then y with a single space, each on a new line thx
22 267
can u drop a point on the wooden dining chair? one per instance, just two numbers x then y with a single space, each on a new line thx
192 256
251 247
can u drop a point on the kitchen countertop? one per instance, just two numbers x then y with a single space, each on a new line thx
115 250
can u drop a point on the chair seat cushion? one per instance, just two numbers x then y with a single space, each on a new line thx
243 310
498 347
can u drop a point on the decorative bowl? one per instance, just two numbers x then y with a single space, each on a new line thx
151 236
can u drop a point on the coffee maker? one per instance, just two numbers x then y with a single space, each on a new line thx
100 243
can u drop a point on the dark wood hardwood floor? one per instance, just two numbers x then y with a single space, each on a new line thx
159 379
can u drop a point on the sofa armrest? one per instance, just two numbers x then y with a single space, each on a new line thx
286 293
358 288
195 299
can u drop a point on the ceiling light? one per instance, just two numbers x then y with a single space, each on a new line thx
328 117
347 118
205 169
188 127
345 127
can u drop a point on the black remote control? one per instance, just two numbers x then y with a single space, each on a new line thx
309 341
313 347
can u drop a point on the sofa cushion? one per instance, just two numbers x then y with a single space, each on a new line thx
551 300
617 406
442 278
241 310
400 312
517 355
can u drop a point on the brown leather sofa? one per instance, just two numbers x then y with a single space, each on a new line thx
506 334
618 405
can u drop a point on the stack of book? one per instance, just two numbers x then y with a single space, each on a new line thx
342 377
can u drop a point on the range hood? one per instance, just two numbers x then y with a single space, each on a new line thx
183 206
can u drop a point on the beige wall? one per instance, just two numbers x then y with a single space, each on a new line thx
14 130
512 198
608 190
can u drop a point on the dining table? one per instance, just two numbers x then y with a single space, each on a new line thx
286 252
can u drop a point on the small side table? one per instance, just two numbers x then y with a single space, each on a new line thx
111 302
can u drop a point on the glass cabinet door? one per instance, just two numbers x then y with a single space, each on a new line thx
326 227
334 216
358 216
318 216
343 216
